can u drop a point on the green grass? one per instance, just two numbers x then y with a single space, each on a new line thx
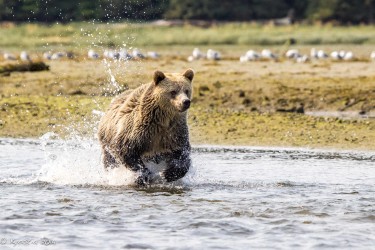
73 35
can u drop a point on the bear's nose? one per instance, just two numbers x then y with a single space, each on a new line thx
186 104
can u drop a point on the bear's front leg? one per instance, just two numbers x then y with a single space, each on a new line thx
178 164
135 163
108 160
143 178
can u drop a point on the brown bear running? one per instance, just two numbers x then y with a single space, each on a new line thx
149 123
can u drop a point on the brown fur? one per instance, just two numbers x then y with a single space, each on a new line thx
149 122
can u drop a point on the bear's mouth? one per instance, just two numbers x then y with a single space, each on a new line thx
183 109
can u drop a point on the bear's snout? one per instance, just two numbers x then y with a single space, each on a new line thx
185 104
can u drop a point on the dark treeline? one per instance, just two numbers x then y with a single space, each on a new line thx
343 11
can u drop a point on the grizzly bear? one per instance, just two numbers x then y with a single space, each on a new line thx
149 123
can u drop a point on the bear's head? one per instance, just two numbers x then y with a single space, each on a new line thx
173 91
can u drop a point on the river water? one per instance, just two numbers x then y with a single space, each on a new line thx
55 195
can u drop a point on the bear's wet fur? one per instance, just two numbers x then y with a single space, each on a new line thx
149 123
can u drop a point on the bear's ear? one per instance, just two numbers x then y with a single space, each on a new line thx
158 77
189 74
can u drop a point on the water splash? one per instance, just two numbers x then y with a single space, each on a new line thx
77 161
113 86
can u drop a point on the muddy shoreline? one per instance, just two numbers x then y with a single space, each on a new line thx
254 104
77 116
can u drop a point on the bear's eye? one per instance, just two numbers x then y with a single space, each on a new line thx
174 93
187 92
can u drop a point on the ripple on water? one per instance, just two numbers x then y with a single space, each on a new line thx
234 198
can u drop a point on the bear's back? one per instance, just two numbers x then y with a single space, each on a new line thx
128 100
122 108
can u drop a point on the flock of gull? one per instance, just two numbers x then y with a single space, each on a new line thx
121 54
197 54
293 54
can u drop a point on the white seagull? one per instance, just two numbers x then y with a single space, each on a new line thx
292 53
47 55
137 54
302 59
57 55
25 57
213 55
92 54
266 53
9 56
153 55
322 54
348 56
335 55
124 55
314 53
197 54
250 55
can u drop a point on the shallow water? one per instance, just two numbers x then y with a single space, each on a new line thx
55 195
342 114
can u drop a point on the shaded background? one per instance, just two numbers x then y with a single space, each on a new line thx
340 11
